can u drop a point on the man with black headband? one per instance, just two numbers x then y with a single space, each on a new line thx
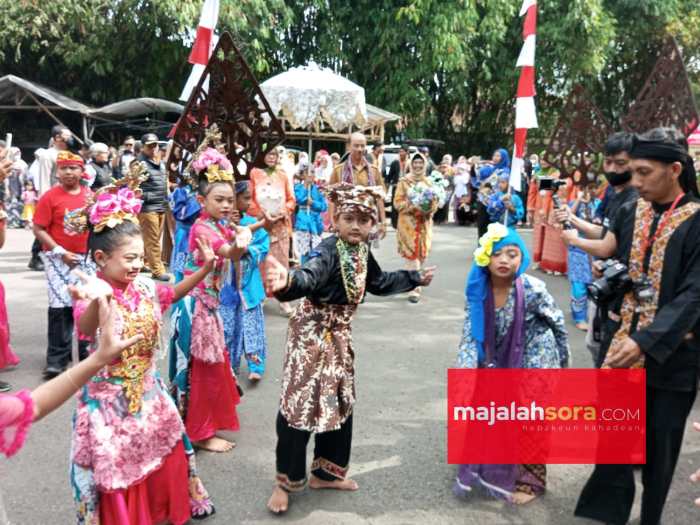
656 326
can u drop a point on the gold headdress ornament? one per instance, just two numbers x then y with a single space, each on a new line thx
208 162
110 205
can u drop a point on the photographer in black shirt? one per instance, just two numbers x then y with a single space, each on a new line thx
656 322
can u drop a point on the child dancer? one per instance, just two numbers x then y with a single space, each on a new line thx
318 388
579 262
131 462
200 368
308 224
186 208
501 202
29 197
510 321
242 299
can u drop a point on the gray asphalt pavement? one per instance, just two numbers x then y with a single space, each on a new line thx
399 447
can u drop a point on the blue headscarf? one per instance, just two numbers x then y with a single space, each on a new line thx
478 280
503 164
241 186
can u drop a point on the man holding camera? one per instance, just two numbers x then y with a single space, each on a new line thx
656 321
620 191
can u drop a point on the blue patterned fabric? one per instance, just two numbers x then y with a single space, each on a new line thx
546 340
486 172
185 207
497 209
308 217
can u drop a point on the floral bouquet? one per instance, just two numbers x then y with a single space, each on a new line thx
422 195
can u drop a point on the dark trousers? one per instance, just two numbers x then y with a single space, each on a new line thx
609 493
331 454
482 218
58 353
36 248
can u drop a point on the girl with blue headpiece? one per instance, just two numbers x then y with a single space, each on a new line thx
511 321
501 202
486 182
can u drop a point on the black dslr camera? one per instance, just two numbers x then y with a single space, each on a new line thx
616 282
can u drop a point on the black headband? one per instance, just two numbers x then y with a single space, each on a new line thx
661 151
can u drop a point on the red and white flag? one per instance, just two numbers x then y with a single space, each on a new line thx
525 111
204 43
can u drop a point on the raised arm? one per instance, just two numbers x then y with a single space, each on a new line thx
388 283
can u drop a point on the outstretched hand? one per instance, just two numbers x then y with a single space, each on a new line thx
427 274
205 252
91 287
275 275
109 347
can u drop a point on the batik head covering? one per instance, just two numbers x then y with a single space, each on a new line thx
349 198
241 186
68 158
496 237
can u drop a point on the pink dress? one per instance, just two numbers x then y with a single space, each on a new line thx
7 356
205 385
16 416
131 462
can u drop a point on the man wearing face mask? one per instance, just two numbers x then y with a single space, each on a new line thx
619 192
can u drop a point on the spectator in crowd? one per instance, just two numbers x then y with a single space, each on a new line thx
98 170
127 153
152 214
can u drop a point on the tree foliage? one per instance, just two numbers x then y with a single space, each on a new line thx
447 65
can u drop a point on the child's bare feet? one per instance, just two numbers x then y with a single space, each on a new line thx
582 326
338 484
254 377
521 498
214 444
279 501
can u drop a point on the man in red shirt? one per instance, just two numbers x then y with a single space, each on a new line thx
62 251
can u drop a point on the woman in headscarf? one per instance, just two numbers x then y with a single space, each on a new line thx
510 321
487 183
416 208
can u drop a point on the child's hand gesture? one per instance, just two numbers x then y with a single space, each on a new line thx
205 253
276 275
91 287
109 347
427 274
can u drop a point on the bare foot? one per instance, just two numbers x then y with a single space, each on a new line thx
279 501
582 326
521 498
254 376
338 484
214 444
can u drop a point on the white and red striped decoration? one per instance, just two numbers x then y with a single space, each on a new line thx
204 43
525 112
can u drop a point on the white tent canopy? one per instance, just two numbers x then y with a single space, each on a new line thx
310 97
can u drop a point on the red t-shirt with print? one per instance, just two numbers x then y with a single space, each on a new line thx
51 211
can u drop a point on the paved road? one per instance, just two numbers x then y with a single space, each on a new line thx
399 453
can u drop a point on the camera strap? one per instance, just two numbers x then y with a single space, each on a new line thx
648 240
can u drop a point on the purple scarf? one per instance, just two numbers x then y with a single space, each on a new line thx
347 175
498 480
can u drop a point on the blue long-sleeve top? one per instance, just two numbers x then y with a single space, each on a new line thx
308 218
251 291
496 208
183 203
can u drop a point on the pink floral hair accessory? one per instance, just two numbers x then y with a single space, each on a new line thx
114 207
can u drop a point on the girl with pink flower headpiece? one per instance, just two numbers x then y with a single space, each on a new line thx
131 460
200 366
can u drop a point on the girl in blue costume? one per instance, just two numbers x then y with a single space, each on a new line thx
308 224
186 208
510 321
486 183
579 262
501 200
242 299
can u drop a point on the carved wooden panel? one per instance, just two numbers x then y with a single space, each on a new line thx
236 104
666 98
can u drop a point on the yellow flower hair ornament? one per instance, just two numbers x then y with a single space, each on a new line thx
215 173
496 231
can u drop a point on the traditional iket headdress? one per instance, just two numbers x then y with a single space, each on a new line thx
68 158
111 205
350 198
